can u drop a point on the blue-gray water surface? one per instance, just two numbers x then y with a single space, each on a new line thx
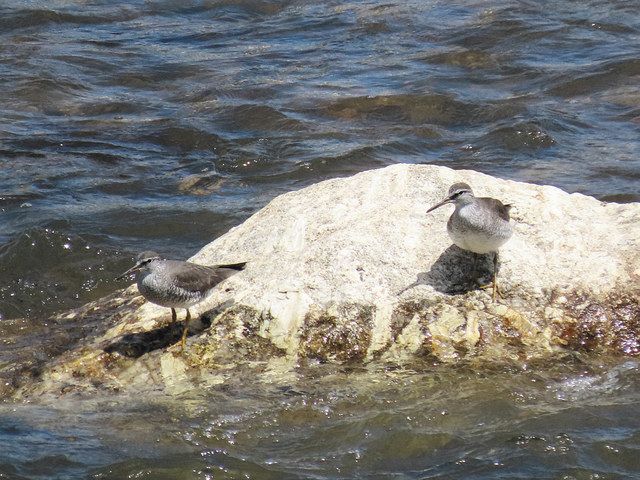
134 125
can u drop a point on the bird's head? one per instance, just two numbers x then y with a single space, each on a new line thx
459 193
143 261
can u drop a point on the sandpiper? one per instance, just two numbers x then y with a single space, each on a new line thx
177 284
478 224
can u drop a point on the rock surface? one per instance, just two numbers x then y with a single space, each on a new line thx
354 269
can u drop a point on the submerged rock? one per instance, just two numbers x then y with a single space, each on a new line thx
354 269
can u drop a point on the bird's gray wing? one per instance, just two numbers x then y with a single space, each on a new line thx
194 278
496 205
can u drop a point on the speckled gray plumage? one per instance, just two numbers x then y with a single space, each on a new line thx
478 224
481 225
178 284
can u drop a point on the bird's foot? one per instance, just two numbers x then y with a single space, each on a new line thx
497 292
177 349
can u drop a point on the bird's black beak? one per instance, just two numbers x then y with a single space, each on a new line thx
133 269
438 205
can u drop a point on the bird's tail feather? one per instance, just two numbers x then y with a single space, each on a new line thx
234 266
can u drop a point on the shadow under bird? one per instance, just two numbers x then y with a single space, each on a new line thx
177 284
478 224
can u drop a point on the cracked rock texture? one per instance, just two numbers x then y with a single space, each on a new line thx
355 270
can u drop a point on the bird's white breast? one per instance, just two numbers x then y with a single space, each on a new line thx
471 229
160 290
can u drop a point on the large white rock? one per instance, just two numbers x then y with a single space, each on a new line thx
368 241
355 269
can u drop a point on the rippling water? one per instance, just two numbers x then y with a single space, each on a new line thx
136 125
570 423
132 125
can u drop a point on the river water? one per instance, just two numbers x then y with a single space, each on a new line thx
135 125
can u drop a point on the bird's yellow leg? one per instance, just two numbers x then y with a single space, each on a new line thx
494 284
183 341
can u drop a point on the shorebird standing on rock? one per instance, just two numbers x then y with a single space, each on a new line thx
478 224
177 284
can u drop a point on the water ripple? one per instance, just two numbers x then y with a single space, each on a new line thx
133 125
